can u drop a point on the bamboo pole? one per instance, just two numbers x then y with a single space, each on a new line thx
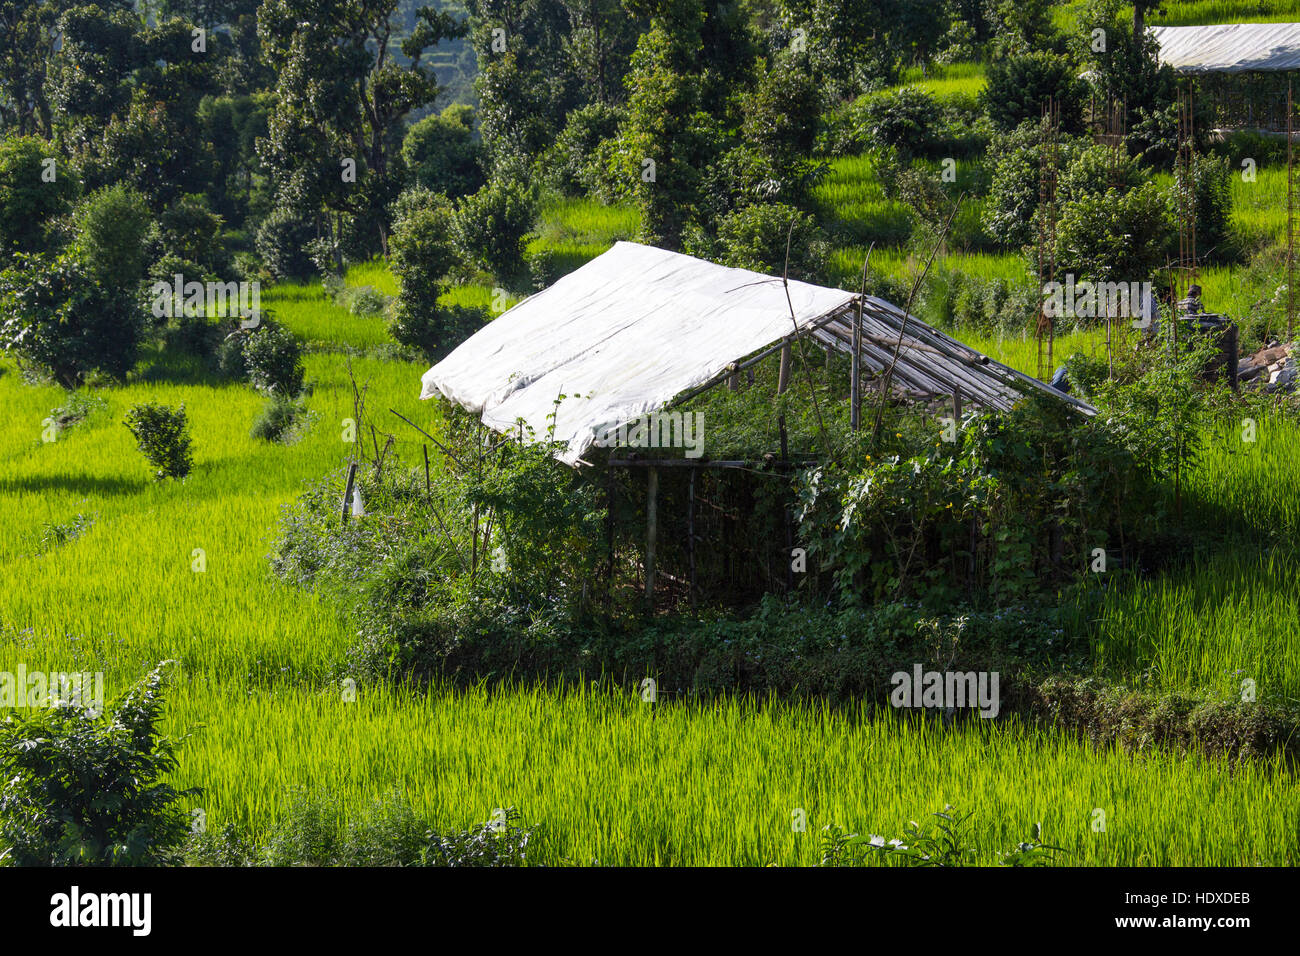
651 534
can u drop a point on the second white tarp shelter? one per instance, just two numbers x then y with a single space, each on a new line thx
636 327
1230 47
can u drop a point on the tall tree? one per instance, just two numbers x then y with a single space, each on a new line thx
600 43
526 83
334 135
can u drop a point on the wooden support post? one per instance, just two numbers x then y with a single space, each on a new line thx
1110 353
855 372
347 492
651 533
956 404
609 539
785 511
783 378
690 534
855 384
426 469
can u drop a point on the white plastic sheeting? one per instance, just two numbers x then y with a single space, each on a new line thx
1230 47
636 327
620 337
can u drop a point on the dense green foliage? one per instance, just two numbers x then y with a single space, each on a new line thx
273 360
160 434
84 788
58 315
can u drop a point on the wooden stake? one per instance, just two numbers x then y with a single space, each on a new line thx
855 375
347 492
690 531
651 533
609 539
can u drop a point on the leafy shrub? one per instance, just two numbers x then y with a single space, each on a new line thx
277 419
28 204
442 153
755 237
359 300
57 314
189 230
1019 86
573 165
111 225
423 253
1011 210
781 116
422 247
1212 187
1155 408
273 359
366 300
160 433
959 44
966 130
87 790
907 119
492 228
282 242
891 527
194 335
1116 236
230 354
1094 170
742 177
435 332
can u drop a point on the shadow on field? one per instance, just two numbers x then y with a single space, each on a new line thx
78 484
177 367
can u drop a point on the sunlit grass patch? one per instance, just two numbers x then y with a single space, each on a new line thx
966 79
308 313
375 273
617 781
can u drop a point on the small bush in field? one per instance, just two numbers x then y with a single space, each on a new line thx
491 228
278 420
274 362
160 432
230 355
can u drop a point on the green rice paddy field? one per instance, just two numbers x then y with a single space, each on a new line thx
698 784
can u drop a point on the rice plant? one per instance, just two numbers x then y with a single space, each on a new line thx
615 780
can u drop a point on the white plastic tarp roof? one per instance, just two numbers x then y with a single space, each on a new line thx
1230 47
626 332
